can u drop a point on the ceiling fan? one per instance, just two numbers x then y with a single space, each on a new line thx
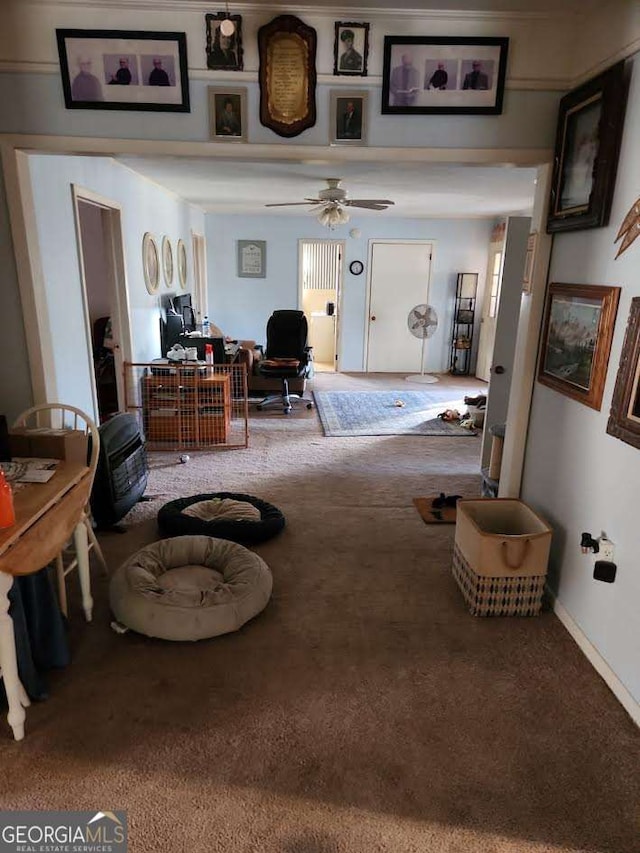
331 202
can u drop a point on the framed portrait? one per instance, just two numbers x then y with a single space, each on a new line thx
576 340
348 117
167 261
124 70
351 49
150 263
443 75
588 135
181 253
224 53
287 75
252 258
529 259
227 113
624 418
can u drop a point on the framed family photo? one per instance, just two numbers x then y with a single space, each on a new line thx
442 75
227 113
224 53
124 70
576 340
351 49
348 111
588 138
624 418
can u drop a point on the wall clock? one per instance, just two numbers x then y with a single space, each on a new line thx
356 267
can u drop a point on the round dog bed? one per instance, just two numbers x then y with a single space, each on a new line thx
225 515
190 588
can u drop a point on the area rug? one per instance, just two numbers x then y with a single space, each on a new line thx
348 413
431 515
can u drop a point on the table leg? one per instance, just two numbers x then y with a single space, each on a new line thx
81 542
16 694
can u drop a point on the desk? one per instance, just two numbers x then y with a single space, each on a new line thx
47 514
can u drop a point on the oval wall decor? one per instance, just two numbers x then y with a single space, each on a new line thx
182 264
167 261
150 263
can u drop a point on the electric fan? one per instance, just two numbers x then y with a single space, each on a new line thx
422 322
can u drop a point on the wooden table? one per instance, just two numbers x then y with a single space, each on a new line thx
47 515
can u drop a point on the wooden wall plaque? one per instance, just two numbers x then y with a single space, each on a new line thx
287 48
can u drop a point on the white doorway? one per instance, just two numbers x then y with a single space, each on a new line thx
320 285
102 272
399 280
200 293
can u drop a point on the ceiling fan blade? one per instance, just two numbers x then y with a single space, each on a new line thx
359 202
290 203
368 205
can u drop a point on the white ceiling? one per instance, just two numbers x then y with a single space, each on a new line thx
419 190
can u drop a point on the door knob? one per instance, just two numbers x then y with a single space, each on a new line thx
373 317
498 368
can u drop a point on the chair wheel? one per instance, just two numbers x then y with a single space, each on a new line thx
309 405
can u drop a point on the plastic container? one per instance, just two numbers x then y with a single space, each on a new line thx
206 327
7 513
208 353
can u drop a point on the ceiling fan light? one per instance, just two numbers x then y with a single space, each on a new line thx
332 216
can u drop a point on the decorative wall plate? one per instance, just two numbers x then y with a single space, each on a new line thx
182 264
167 261
150 263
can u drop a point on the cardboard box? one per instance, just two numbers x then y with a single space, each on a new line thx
46 443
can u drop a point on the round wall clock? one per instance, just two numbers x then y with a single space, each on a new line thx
356 267
150 263
167 261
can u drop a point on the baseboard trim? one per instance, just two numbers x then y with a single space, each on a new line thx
598 662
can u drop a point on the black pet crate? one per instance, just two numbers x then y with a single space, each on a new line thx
122 472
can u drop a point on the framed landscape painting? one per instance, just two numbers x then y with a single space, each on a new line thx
442 75
124 70
576 340
624 418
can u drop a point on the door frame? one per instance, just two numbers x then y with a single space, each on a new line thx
340 289
112 229
367 306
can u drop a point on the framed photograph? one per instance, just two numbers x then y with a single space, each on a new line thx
124 70
252 258
588 135
224 53
624 418
348 117
351 49
442 75
150 263
227 113
529 259
181 254
167 261
576 340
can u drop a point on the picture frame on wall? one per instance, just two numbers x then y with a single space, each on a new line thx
624 417
124 70
224 53
443 75
348 117
150 263
227 113
576 340
252 258
588 136
351 49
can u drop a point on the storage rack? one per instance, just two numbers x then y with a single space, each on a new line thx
463 322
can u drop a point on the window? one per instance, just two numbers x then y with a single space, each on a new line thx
495 284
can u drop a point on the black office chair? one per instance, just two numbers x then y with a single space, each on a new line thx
287 356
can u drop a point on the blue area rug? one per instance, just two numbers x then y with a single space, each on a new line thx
344 413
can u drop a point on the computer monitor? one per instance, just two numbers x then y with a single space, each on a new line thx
200 344
171 328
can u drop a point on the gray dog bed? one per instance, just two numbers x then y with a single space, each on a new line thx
190 588
225 515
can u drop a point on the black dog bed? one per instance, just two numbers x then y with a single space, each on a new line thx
173 522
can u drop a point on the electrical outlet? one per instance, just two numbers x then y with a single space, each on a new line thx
607 549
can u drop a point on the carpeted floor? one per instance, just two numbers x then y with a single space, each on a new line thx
363 711
390 412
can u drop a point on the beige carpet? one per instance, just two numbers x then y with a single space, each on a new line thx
363 711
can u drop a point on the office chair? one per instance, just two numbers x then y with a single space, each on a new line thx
287 356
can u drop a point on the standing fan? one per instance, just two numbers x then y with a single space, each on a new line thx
422 322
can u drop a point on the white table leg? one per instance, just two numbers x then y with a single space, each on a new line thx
16 694
81 542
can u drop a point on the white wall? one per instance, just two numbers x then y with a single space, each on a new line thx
242 306
579 477
145 207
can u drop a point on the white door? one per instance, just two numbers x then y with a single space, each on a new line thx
490 312
399 281
320 276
